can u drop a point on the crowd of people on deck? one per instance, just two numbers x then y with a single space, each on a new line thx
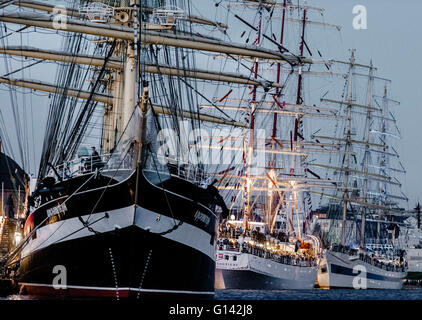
397 265
232 239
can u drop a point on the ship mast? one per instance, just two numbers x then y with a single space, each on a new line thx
299 101
273 214
366 157
252 130
348 147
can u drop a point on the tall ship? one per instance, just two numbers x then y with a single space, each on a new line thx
363 209
256 260
138 217
267 243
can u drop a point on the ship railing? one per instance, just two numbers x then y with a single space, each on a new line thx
90 164
167 16
116 3
97 11
190 172
255 236
184 170
379 244
375 261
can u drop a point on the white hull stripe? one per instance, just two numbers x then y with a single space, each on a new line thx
186 233
118 289
71 229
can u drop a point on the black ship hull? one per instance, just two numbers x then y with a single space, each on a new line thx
249 280
107 266
109 240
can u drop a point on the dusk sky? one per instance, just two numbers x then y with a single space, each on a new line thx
391 40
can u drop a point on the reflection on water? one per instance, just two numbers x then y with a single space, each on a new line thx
315 294
320 294
17 297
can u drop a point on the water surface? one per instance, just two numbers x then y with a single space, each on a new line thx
320 294
315 294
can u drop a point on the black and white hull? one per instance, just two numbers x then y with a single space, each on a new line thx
341 270
110 242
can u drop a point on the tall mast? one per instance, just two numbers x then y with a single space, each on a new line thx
302 45
366 156
348 145
123 87
279 67
130 83
299 101
252 127
272 215
384 163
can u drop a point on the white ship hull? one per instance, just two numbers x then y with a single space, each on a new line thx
340 270
247 271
